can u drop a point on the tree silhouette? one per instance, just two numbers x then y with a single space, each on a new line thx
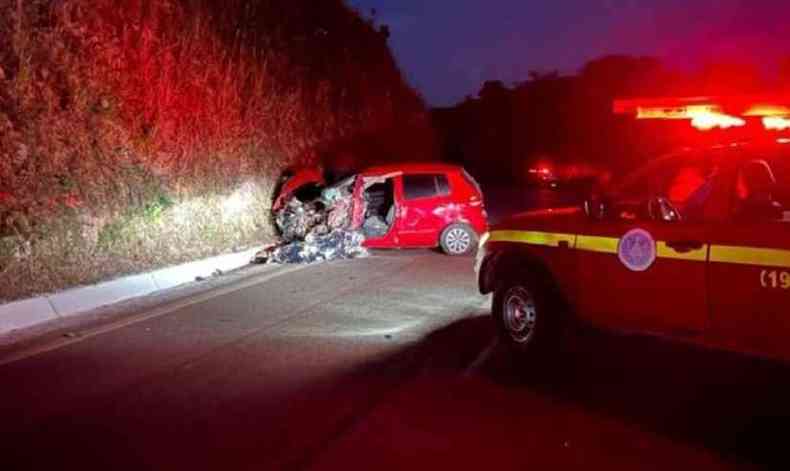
569 120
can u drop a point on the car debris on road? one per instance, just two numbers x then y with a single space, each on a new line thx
337 245
316 230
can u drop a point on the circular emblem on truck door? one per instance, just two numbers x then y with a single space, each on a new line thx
637 250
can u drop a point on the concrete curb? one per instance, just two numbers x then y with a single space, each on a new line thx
31 312
25 313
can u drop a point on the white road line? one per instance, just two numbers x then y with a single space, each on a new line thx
156 312
482 358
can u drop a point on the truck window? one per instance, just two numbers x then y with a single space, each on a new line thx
781 169
761 191
685 182
425 186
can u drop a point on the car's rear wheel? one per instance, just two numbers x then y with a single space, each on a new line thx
523 313
458 239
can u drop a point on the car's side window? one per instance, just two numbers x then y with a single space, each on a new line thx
425 186
442 185
762 191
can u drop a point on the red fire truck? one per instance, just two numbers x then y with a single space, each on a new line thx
694 246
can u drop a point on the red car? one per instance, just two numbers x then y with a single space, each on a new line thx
403 206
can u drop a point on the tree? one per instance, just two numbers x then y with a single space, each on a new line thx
493 90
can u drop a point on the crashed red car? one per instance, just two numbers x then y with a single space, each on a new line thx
421 205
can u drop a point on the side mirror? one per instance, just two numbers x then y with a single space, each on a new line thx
661 209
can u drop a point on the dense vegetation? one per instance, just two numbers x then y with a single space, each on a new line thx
569 120
140 133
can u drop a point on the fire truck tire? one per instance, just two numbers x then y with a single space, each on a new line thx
524 317
458 239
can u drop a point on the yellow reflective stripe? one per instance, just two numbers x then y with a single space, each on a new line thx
597 244
609 245
750 256
698 255
550 239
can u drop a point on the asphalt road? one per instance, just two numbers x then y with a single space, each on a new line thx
381 363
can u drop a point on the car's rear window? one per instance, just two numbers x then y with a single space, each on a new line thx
472 181
425 186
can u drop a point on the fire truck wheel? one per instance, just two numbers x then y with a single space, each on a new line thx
522 312
458 239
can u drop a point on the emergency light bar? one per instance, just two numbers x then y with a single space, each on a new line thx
706 113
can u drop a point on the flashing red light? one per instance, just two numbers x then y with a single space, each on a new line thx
763 110
776 123
702 117
708 113
707 120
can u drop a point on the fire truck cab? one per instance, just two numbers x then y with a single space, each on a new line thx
694 246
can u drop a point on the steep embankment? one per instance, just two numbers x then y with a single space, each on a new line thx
140 133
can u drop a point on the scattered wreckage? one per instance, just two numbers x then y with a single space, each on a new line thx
316 228
418 205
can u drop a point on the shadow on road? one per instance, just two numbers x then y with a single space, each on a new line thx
614 401
732 405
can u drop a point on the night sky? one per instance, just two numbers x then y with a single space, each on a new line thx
447 48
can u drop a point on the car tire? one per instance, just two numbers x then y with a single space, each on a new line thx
458 239
527 321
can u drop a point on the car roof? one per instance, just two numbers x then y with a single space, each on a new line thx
411 167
